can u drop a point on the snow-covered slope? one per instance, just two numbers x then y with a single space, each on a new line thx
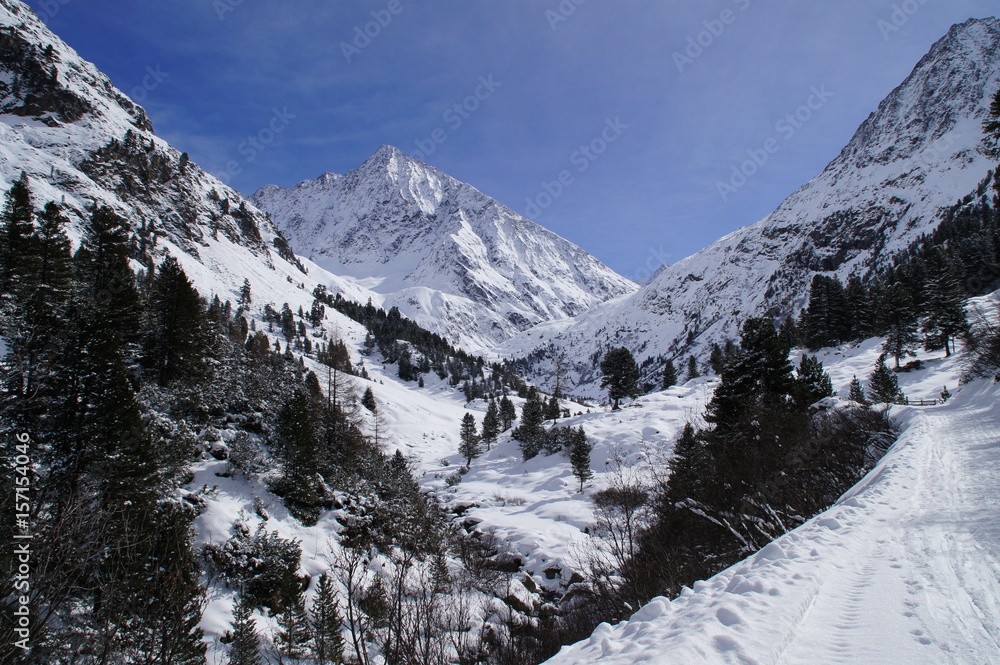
918 153
450 257
83 142
904 569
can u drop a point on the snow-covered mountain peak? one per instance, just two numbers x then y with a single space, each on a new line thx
947 86
449 256
916 155
387 156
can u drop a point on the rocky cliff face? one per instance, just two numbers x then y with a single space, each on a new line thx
83 142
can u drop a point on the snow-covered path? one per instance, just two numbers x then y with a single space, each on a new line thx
904 569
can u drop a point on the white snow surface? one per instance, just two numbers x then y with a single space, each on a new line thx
906 562
904 569
449 257
915 156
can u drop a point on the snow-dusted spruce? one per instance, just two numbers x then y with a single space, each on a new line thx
115 572
579 456
883 386
669 378
470 446
621 375
244 642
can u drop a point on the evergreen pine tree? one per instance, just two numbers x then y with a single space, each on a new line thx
946 319
50 283
101 439
178 331
141 606
669 379
328 642
857 393
508 413
717 359
901 341
245 646
689 466
692 369
491 424
407 371
529 431
789 333
812 383
299 485
246 297
759 375
469 446
899 317
621 375
552 410
368 400
316 313
102 263
98 438
32 318
827 319
294 638
16 229
861 306
579 457
165 585
287 320
883 386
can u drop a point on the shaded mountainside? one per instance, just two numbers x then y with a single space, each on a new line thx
444 253
83 142
912 159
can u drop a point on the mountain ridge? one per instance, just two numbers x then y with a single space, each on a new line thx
447 255
83 142
909 160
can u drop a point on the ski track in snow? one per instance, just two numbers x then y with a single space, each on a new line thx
905 569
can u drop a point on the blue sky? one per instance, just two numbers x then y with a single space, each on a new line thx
611 122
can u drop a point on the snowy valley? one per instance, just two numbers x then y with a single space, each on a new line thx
293 448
